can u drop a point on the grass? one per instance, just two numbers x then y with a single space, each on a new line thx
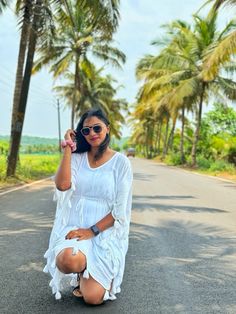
218 168
30 168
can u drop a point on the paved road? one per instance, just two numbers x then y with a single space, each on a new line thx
182 255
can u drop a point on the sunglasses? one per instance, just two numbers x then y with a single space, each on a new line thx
96 129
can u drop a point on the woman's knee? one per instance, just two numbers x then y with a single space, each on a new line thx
93 298
68 263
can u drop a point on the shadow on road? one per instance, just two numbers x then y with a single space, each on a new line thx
173 268
143 203
144 176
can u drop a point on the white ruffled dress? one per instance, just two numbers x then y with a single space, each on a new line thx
94 193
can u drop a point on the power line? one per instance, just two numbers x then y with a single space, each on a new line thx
33 86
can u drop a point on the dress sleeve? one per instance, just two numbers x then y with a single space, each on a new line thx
63 197
121 210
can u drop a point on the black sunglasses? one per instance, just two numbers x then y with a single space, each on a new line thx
96 128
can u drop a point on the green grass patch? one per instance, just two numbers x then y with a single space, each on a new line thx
30 168
219 168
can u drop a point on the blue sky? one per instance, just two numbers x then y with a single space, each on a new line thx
140 24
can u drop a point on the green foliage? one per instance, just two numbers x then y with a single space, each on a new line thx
116 148
31 145
203 163
32 167
173 159
221 165
221 119
4 147
232 155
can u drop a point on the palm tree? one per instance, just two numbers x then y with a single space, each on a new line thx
37 17
222 53
34 17
72 44
69 48
97 91
175 77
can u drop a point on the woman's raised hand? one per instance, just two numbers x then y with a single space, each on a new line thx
70 135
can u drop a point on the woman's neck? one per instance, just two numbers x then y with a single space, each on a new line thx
93 151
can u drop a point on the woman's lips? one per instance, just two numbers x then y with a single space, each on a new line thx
94 138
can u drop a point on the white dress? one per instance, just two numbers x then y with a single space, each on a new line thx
94 193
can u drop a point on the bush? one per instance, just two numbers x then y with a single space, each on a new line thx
203 163
232 155
221 165
173 159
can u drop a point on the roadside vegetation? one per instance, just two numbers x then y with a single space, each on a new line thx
193 68
36 161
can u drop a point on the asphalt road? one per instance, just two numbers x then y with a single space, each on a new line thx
181 258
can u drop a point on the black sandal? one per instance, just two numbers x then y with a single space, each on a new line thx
76 291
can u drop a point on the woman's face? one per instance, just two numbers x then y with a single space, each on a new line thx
96 129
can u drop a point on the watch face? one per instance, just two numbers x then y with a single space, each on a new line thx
95 230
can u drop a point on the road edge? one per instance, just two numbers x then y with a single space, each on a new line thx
24 186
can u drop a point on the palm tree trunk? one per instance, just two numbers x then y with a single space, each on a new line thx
146 143
165 139
20 66
182 156
159 137
156 137
18 125
77 88
171 136
197 131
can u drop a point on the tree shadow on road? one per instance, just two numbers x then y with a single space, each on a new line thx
181 268
147 202
143 176
173 268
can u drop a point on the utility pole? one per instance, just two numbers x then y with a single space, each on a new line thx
59 124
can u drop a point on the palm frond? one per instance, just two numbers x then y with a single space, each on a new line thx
221 54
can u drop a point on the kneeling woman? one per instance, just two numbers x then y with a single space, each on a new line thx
89 239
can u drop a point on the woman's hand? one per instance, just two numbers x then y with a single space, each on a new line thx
70 135
81 234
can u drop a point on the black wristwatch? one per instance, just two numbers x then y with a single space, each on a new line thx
95 230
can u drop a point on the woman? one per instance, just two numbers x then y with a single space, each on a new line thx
89 239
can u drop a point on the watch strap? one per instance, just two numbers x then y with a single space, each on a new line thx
95 230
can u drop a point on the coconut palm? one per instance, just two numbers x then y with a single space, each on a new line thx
97 91
36 19
221 53
70 47
178 69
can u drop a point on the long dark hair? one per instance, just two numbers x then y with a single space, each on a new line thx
82 144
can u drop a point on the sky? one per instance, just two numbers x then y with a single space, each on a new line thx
140 24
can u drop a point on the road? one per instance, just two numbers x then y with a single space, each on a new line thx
181 258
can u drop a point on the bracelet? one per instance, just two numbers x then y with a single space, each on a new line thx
70 143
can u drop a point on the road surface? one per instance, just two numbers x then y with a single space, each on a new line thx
181 258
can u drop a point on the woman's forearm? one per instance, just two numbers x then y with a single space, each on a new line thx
106 222
63 175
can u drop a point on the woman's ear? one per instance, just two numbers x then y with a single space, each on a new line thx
108 129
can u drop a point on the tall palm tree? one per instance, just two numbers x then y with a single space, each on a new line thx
97 91
70 47
35 15
36 19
